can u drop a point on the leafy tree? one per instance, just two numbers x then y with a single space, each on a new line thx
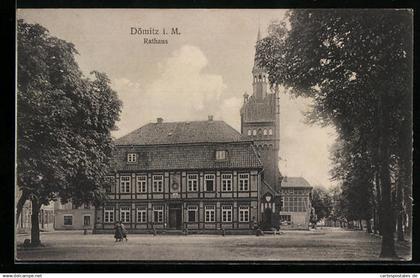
63 124
321 202
356 66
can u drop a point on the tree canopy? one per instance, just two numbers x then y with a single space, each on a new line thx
64 120
357 67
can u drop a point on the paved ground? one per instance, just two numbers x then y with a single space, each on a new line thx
324 244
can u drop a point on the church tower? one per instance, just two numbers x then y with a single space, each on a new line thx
260 122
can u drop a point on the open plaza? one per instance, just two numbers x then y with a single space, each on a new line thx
321 244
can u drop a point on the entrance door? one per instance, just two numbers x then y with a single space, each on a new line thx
175 217
267 225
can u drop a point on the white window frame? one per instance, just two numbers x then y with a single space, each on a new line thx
125 215
227 182
141 215
270 132
210 214
249 132
125 182
254 132
109 215
226 213
90 220
195 209
131 158
243 214
159 210
221 155
210 177
265 132
243 182
192 182
64 219
157 183
141 183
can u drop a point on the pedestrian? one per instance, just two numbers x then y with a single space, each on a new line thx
118 234
123 231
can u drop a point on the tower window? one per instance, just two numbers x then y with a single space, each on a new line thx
132 158
265 132
249 132
270 131
254 132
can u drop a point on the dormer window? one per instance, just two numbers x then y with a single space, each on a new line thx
221 155
131 157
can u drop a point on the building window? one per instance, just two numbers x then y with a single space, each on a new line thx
209 182
270 132
109 181
226 182
141 215
141 184
249 132
295 204
243 214
131 157
86 220
192 181
192 213
68 220
210 213
108 215
226 213
254 132
243 182
221 155
125 215
158 183
158 214
265 132
125 184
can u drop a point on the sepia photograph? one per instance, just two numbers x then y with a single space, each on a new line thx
190 135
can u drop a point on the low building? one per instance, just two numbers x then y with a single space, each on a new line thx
296 203
70 217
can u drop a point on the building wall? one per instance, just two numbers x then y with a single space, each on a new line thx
46 218
78 219
182 197
297 210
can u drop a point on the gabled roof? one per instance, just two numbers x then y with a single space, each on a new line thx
295 182
180 132
187 156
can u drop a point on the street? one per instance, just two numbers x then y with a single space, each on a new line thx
321 244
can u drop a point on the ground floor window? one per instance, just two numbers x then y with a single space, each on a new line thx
158 214
226 213
243 214
68 220
192 213
125 215
86 220
210 213
141 215
108 215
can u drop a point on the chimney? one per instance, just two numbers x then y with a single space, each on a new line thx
159 120
210 118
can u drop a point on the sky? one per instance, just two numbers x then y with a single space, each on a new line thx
203 70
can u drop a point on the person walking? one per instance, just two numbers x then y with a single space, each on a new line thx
118 234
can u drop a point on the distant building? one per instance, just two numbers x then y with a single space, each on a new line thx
70 217
296 198
45 217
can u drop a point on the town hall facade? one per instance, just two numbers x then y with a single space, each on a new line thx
200 176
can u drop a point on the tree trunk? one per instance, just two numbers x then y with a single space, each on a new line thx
361 224
21 202
35 238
